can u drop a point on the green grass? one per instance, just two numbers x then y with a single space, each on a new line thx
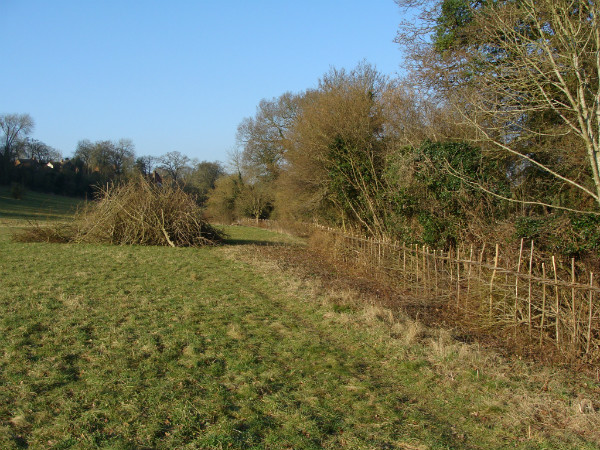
161 348
35 206
242 235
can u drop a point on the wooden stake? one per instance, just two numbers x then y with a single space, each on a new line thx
529 293
469 276
425 274
517 284
492 280
543 304
458 278
574 338
450 264
404 264
417 262
481 261
589 333
435 270
557 299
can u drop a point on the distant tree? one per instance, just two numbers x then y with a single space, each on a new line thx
264 138
35 149
202 177
207 173
123 156
14 128
174 164
222 200
103 157
84 153
108 158
145 164
254 200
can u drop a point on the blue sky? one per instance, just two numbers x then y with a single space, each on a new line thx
177 75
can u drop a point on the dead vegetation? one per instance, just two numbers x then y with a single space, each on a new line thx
539 399
526 303
135 213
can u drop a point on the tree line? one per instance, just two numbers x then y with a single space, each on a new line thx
493 135
31 163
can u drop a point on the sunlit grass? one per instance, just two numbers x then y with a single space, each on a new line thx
130 347
35 206
243 235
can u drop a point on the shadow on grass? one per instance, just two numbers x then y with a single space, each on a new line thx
31 216
236 242
236 235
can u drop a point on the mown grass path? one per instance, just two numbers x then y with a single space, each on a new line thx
161 348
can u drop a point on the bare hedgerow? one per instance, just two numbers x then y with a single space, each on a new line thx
136 213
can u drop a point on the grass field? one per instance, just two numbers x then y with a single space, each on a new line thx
35 206
217 348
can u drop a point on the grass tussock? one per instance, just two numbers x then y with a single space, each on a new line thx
135 213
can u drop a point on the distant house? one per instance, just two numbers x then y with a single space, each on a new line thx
29 163
62 165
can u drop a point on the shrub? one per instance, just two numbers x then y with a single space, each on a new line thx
17 190
571 234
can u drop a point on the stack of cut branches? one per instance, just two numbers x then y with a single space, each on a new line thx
144 213
135 213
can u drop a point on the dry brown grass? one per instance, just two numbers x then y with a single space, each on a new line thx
541 400
56 233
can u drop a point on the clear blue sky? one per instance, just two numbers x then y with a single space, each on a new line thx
177 75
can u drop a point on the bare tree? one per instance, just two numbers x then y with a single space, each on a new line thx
14 127
123 156
174 164
145 164
106 157
35 149
84 153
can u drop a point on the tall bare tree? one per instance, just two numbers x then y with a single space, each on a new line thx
14 127
545 63
123 156
36 149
